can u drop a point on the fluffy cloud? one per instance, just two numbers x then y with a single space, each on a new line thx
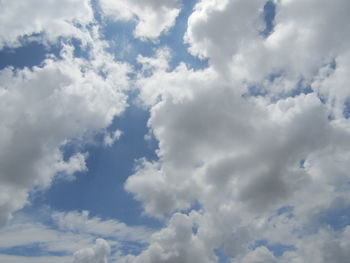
52 19
300 43
175 243
245 20
43 108
254 167
253 150
96 254
152 17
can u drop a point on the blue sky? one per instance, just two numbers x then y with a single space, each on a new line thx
174 131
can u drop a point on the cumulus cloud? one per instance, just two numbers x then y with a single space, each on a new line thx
153 17
97 254
253 150
238 157
259 165
53 19
175 243
300 43
44 107
245 20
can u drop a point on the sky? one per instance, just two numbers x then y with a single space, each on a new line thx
174 131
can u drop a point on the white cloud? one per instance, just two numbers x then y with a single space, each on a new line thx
240 158
174 243
111 138
74 164
332 84
83 223
233 168
153 17
68 233
239 22
49 239
51 18
97 254
43 108
302 41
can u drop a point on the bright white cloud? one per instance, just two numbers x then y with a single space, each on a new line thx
51 18
153 17
43 108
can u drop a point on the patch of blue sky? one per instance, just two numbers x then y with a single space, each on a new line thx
29 55
255 91
132 248
285 210
302 163
221 256
100 190
33 52
269 14
127 48
33 250
174 39
337 219
301 87
346 110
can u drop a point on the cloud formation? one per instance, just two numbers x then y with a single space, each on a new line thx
97 254
253 154
152 17
50 19
77 236
258 140
44 107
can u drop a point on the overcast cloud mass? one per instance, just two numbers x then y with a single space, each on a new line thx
246 107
